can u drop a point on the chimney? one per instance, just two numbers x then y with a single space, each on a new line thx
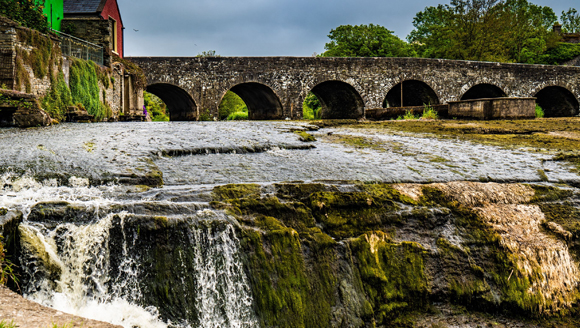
557 28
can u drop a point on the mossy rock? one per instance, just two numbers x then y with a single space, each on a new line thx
351 214
236 191
305 136
393 275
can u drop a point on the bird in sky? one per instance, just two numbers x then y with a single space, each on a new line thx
135 30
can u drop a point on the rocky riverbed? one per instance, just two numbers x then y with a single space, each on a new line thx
297 224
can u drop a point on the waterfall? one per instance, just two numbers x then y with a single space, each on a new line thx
96 270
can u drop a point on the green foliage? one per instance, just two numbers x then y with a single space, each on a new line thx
539 111
570 21
238 116
311 107
393 275
26 12
84 87
204 115
408 116
559 54
209 53
429 113
502 31
5 324
365 41
6 267
155 107
58 99
231 103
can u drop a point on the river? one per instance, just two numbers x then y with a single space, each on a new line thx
85 189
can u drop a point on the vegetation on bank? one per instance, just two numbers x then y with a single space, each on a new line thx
29 13
500 31
232 107
306 244
155 107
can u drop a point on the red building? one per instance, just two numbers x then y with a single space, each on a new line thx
96 21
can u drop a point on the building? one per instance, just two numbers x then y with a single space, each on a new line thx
96 21
54 12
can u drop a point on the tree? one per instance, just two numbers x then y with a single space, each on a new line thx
231 103
155 107
570 21
485 30
365 41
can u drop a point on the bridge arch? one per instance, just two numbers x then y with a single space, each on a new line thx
338 100
557 101
483 90
414 93
180 104
263 103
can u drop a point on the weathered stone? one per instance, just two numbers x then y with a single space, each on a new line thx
275 87
494 108
76 114
27 117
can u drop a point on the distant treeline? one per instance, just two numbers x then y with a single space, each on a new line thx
511 31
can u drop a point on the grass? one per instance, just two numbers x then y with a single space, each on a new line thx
5 324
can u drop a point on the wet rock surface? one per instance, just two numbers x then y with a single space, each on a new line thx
364 227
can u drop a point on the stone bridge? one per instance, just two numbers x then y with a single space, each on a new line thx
275 87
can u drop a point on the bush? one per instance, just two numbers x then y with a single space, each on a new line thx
408 116
311 107
238 116
231 103
155 107
539 111
429 113
26 12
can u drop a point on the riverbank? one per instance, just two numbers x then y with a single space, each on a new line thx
28 314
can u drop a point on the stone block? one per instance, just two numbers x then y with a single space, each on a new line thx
494 108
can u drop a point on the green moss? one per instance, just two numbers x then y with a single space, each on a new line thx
3 211
286 294
393 275
305 137
84 88
543 175
58 99
548 193
235 191
297 191
349 214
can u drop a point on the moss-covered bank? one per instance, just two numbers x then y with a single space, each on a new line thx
383 255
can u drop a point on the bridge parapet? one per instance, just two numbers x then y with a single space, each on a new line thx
275 87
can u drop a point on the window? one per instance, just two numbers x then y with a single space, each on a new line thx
115 36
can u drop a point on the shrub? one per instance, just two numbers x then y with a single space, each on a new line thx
311 107
410 116
231 103
155 107
238 116
429 113
539 111
26 12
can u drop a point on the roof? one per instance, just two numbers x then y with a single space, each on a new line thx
83 6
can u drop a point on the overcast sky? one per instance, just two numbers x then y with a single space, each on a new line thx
261 27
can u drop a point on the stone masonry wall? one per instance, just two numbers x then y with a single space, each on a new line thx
292 78
91 29
7 53
11 45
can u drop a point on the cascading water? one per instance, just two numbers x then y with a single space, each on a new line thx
103 263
